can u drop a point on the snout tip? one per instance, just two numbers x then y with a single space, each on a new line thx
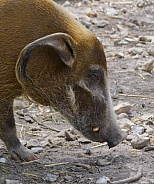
117 140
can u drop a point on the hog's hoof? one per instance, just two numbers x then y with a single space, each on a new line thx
22 153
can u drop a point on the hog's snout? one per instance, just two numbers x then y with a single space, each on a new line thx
118 139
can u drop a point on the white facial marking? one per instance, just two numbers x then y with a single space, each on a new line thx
72 99
97 93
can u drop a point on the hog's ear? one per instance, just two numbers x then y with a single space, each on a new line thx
62 43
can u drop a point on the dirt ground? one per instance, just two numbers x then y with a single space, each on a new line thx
60 161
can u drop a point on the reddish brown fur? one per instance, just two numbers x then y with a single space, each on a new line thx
22 22
25 21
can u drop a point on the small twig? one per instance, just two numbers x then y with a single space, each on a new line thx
32 133
48 127
120 71
18 124
130 179
140 75
4 170
84 166
21 130
117 17
149 148
123 3
56 164
30 106
33 161
99 145
137 96
150 173
29 174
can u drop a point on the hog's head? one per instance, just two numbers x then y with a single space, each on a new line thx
71 76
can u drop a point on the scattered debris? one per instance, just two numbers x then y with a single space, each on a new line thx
33 143
140 142
51 178
106 180
122 108
7 181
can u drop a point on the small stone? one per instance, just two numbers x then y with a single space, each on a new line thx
135 50
120 42
88 151
151 181
23 142
74 131
22 113
119 54
124 10
1 154
18 105
66 3
51 178
130 137
90 13
83 140
131 40
135 56
103 180
35 128
149 130
152 140
45 142
8 181
140 142
144 39
149 122
145 182
103 162
148 66
122 108
33 143
3 160
146 117
111 11
145 134
137 129
122 115
135 21
69 136
61 134
125 123
68 178
37 149
29 119
84 166
2 180
151 51
100 23
86 23
86 3
142 3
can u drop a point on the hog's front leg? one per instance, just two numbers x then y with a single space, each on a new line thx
9 136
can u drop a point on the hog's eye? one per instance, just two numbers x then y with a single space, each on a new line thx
95 76
94 79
